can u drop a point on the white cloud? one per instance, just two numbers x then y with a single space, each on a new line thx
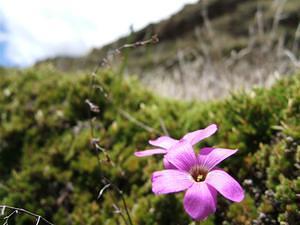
37 29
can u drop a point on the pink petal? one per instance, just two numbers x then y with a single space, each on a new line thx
182 156
200 200
150 152
198 135
210 157
168 165
225 184
169 181
163 142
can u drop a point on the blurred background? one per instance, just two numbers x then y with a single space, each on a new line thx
208 45
234 63
36 30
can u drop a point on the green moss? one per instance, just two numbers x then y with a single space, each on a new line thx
47 164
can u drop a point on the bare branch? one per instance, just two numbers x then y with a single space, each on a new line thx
102 190
137 122
38 220
20 210
163 127
93 107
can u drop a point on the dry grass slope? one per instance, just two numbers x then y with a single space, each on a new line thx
210 49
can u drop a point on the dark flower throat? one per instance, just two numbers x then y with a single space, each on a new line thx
198 173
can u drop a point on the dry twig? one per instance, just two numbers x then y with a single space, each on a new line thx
15 211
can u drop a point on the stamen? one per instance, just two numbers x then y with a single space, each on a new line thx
199 178
198 173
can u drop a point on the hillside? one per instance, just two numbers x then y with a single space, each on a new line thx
211 45
48 165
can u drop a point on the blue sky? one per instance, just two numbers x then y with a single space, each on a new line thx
3 60
33 30
2 44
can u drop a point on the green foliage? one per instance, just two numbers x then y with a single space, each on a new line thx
47 165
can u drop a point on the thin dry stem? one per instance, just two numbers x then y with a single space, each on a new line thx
94 108
16 211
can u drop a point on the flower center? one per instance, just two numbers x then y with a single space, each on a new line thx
198 173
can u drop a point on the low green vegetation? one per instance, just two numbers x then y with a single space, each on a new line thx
48 166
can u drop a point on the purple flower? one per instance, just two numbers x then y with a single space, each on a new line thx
166 144
199 176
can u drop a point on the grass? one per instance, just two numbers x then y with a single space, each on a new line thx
211 45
